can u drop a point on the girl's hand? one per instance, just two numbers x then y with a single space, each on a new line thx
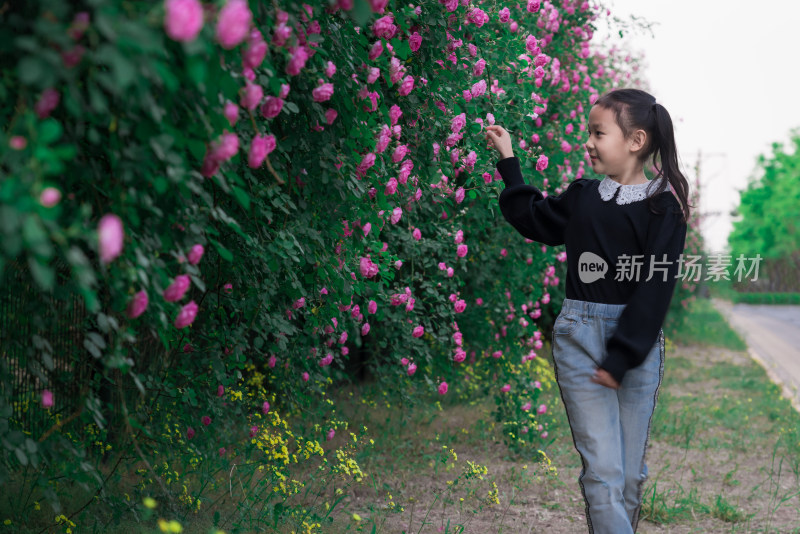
501 140
604 378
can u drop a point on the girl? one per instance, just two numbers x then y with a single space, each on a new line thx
623 235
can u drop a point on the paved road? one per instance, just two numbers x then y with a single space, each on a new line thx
772 333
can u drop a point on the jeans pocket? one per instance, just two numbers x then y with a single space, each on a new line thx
565 325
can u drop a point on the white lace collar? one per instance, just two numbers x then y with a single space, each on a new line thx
628 193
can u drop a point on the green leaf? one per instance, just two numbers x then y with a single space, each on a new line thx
47 359
361 12
124 71
160 184
49 131
91 347
138 383
401 48
196 69
97 339
30 70
97 100
242 197
223 252
291 106
42 274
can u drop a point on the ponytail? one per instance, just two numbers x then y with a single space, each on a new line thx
636 109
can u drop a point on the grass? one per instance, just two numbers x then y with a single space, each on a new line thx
704 326
725 451
724 455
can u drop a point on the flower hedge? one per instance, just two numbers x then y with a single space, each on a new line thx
252 201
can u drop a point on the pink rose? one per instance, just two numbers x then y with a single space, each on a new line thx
384 27
47 398
225 147
271 107
330 116
260 147
177 288
376 50
18 142
183 19
231 112
137 305
478 17
233 23
442 388
186 316
297 60
49 197
461 251
253 54
79 25
399 153
367 267
251 95
397 213
458 123
323 92
196 254
418 331
391 187
47 102
541 163
110 235
415 41
406 86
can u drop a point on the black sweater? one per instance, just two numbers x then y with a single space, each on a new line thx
589 225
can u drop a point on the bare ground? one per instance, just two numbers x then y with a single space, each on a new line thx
680 494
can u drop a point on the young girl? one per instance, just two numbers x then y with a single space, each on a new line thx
624 235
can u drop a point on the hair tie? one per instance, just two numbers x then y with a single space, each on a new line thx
653 107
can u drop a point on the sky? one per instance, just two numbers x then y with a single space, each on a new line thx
724 72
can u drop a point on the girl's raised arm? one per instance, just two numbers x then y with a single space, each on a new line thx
535 216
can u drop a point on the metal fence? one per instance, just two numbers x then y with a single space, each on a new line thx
41 346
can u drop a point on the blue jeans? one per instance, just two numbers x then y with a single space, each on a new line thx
610 427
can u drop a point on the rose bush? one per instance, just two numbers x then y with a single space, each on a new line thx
210 184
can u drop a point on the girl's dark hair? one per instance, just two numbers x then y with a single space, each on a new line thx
635 109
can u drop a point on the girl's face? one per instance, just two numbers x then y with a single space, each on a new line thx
606 144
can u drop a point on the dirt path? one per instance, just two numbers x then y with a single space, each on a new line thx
709 487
